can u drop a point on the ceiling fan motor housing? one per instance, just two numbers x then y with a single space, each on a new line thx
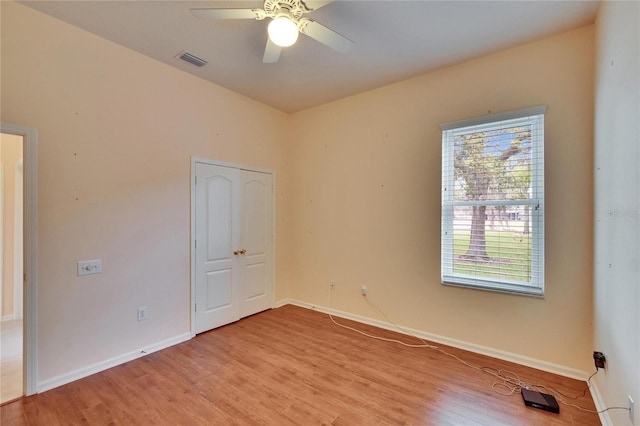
293 9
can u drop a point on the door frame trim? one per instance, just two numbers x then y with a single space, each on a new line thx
194 161
30 248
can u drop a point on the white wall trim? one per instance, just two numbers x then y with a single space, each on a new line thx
472 347
283 302
500 116
1 238
80 373
192 249
8 317
195 160
18 243
600 404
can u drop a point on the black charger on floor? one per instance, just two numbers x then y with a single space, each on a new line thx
540 400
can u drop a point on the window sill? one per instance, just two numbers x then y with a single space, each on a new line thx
517 289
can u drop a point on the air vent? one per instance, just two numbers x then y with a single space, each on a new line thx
192 59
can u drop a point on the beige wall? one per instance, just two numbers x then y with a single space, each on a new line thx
11 155
366 201
617 206
116 131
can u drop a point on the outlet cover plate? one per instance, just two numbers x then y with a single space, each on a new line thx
88 267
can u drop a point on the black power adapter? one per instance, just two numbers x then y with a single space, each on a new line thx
542 401
599 359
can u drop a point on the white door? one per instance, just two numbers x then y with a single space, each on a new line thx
233 248
256 241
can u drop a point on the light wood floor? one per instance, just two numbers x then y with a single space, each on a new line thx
292 366
10 360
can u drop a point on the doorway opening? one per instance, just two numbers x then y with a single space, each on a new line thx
22 303
11 267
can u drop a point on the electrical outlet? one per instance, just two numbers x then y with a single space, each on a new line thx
363 290
87 267
142 313
631 413
599 359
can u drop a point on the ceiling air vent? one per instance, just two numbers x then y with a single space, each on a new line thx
192 59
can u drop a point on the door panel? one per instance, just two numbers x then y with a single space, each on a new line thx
218 218
219 290
256 282
254 220
256 237
216 287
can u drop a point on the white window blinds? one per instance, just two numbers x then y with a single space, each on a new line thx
493 202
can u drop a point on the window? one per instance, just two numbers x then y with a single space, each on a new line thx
493 202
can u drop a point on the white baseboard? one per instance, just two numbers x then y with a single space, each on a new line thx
472 347
600 405
112 362
282 303
7 318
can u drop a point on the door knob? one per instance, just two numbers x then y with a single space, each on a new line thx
236 252
242 251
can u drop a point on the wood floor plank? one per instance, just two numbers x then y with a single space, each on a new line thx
293 366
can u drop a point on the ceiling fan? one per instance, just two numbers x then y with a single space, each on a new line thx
287 22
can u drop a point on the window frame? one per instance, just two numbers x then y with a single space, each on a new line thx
535 117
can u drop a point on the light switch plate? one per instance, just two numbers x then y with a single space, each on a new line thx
87 267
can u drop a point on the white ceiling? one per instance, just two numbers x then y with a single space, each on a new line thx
394 40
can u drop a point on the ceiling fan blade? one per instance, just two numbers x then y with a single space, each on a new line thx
225 13
325 35
316 4
271 52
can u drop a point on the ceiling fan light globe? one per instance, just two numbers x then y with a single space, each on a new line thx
283 31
